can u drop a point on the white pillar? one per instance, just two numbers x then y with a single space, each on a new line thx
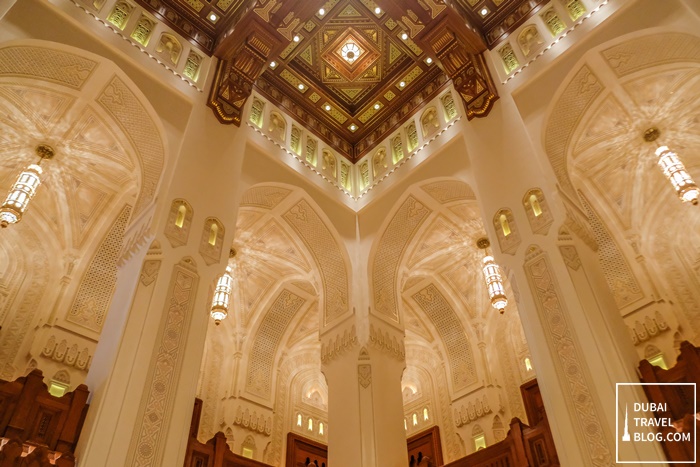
365 405
578 340
145 371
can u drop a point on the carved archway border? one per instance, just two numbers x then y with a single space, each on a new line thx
72 68
583 87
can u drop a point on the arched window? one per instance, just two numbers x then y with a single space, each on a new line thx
405 424
213 230
528 364
320 428
506 231
181 213
415 419
299 419
504 225
311 424
536 208
425 413
538 213
179 224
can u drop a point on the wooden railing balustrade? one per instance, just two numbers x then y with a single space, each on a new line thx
678 399
213 453
524 446
36 428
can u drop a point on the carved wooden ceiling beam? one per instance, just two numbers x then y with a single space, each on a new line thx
246 50
458 49
459 52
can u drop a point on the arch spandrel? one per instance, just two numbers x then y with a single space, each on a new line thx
312 241
644 80
85 107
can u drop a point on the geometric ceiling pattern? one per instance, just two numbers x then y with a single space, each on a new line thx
352 95
352 70
496 19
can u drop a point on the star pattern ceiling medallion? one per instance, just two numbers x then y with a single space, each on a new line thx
350 52
365 54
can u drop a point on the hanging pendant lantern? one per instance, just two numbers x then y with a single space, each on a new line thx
674 170
222 297
24 189
492 276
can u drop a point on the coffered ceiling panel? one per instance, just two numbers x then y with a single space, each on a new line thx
352 70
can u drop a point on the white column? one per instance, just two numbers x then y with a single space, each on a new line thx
578 340
365 405
144 374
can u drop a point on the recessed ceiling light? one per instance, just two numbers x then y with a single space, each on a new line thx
321 12
376 106
297 38
353 127
327 107
484 11
404 36
273 64
301 86
377 11
213 17
428 60
402 84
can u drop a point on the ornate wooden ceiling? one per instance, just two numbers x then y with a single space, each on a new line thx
496 19
352 70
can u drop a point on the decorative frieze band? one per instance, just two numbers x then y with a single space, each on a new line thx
64 352
337 346
649 327
387 343
472 411
253 421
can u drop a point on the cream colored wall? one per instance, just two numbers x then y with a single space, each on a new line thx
617 128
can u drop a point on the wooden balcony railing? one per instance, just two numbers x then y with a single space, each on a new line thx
524 446
36 428
678 399
213 453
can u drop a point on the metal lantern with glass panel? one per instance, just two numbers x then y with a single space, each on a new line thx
222 293
222 297
492 276
674 170
24 189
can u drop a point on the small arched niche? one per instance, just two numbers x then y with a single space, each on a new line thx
379 163
212 241
364 175
311 150
506 231
396 149
328 166
448 106
430 122
530 40
169 47
537 211
411 136
256 112
177 229
277 127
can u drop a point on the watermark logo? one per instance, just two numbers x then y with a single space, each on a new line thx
645 422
